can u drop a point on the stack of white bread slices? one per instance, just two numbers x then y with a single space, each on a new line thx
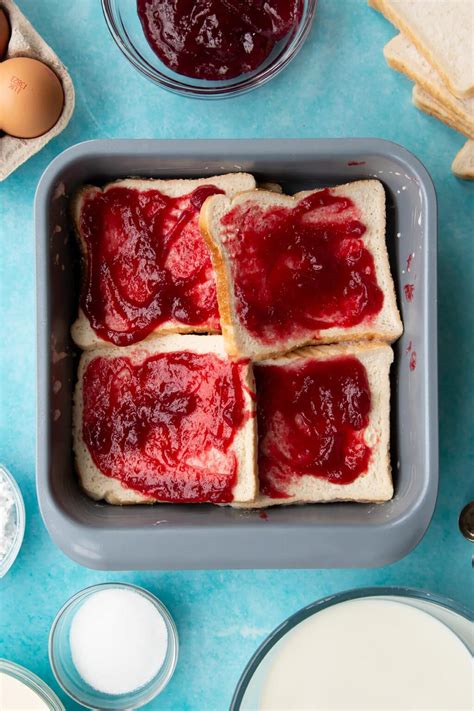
435 49
354 356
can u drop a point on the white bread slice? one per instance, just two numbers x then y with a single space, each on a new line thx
369 199
232 183
99 486
443 32
403 56
463 163
427 103
375 486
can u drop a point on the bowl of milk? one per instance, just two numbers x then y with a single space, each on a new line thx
376 649
21 690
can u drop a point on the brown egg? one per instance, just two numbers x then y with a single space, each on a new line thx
4 33
31 97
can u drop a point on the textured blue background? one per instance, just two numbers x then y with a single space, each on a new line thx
339 85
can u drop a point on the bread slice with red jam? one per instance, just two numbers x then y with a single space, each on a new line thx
145 267
299 270
323 425
171 419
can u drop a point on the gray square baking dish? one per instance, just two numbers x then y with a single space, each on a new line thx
171 536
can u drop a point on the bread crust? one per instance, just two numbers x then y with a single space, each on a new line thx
98 486
402 56
216 206
375 486
222 280
427 103
81 331
463 163
450 74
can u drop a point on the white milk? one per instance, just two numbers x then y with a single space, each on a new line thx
369 655
16 696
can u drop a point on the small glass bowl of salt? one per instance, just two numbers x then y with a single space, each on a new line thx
12 520
113 646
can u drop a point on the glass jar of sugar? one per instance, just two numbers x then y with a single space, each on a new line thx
113 646
12 520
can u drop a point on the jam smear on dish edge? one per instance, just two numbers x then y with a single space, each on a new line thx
165 427
311 417
301 270
146 263
409 290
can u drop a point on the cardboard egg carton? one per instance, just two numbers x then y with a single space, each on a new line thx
26 42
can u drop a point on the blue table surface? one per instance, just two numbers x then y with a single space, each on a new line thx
339 85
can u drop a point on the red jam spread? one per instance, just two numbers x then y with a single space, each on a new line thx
298 271
147 263
409 290
165 427
216 39
311 421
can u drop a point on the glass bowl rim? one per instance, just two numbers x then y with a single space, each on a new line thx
247 83
12 553
173 641
328 601
32 681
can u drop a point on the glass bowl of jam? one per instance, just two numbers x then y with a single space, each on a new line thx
209 48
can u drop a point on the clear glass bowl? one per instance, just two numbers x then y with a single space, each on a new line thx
125 27
454 616
7 562
33 682
69 678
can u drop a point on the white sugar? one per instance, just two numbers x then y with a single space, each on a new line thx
118 641
7 516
